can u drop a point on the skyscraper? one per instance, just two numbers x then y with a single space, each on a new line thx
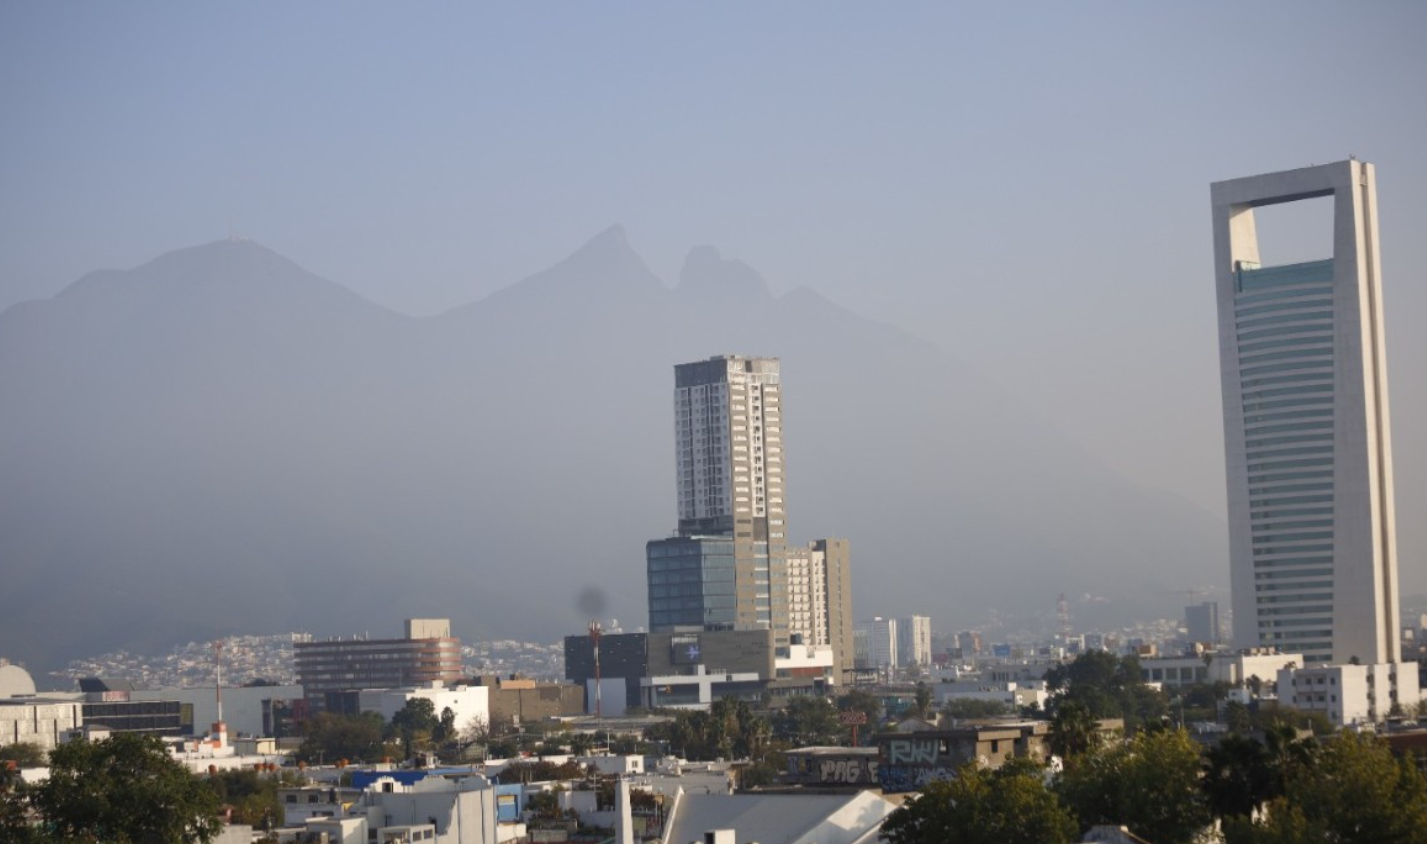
1312 547
727 567
914 641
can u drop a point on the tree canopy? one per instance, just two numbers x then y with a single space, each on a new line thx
1108 686
125 789
1354 792
1150 783
1009 805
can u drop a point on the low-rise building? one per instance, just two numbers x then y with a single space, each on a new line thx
1351 695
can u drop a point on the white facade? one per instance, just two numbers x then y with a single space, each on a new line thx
434 809
466 702
242 705
1350 695
881 636
914 641
1235 669
729 436
1306 427
41 722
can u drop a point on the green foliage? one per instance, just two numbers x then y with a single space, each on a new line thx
252 794
923 700
1010 805
1108 686
329 736
860 700
415 724
965 708
543 771
728 730
24 754
1354 792
15 826
125 789
1072 731
808 720
1150 784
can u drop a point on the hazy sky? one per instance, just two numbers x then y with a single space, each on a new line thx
1024 184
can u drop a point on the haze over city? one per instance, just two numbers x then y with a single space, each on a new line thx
994 222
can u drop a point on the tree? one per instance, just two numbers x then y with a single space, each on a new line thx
125 789
1239 776
415 723
1072 730
923 700
1150 784
15 823
1010 805
329 736
1354 792
25 754
1108 686
959 708
807 720
860 700
445 732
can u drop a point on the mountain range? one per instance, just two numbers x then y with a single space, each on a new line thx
221 442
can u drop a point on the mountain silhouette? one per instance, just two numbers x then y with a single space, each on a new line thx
220 442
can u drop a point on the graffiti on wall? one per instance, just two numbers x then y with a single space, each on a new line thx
850 771
898 778
911 751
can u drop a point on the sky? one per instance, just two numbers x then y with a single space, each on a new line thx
1025 185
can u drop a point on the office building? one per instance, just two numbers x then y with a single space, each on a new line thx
881 636
820 599
914 641
333 672
1202 623
1302 358
727 566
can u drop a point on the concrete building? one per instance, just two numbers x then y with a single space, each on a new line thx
333 672
914 641
441 810
246 709
44 722
1306 428
881 637
1351 695
820 599
727 566
1235 669
465 702
1202 623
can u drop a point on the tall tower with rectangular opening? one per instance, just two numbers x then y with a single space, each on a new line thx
1313 552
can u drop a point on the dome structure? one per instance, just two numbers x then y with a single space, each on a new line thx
15 681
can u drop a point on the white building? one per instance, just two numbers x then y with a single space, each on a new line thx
914 641
465 702
1235 669
881 634
1306 430
820 599
1350 695
436 809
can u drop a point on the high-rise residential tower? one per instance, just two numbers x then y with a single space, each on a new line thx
820 599
914 641
727 567
1312 548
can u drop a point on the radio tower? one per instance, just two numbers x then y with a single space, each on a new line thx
595 640
220 729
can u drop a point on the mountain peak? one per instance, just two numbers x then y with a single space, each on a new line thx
708 275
